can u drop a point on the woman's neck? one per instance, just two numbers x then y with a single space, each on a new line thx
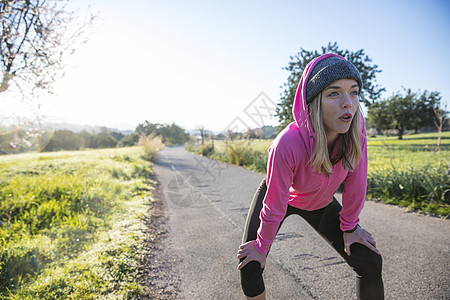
331 141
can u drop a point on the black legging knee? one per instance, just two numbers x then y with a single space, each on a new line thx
251 279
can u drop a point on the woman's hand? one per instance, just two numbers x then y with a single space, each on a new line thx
248 250
360 236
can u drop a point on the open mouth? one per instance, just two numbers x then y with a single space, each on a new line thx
346 117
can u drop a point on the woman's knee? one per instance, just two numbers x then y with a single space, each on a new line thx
365 261
251 271
251 279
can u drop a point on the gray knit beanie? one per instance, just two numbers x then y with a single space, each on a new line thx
328 71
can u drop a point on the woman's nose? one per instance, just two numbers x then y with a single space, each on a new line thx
347 101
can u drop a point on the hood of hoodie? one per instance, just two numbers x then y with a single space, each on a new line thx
300 108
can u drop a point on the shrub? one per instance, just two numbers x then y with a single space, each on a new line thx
151 145
239 152
203 150
206 149
259 161
191 147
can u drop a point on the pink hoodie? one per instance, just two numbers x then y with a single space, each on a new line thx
291 180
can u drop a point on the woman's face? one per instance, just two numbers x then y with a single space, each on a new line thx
339 104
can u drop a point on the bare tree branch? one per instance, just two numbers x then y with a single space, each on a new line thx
36 36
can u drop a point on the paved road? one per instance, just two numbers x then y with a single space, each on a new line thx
207 203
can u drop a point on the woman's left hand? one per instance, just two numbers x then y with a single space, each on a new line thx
249 252
360 236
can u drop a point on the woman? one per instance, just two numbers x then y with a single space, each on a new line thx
308 161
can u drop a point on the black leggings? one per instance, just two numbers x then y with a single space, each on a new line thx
365 262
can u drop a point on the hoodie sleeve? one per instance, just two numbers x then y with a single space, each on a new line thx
280 173
354 194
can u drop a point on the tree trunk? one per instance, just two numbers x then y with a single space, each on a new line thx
6 78
400 134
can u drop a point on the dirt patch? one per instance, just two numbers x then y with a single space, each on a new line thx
158 276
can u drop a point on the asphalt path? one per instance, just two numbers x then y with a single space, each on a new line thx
207 204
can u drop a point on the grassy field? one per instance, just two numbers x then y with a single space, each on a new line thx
416 150
409 172
72 224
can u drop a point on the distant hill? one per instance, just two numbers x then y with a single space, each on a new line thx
51 126
88 128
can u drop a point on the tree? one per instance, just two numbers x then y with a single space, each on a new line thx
427 105
88 139
202 131
11 140
35 37
64 140
405 111
370 93
105 140
269 132
128 140
171 134
256 133
232 135
147 128
117 135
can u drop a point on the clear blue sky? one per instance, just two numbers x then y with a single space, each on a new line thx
202 62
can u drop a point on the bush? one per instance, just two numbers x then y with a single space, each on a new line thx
259 161
239 152
426 188
151 145
207 149
203 150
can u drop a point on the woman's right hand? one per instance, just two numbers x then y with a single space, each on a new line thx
248 250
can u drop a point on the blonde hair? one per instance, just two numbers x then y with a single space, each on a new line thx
349 151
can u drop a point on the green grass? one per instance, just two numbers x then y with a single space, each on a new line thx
73 224
418 150
409 172
258 145
423 138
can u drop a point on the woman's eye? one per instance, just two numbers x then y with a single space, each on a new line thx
354 93
333 94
